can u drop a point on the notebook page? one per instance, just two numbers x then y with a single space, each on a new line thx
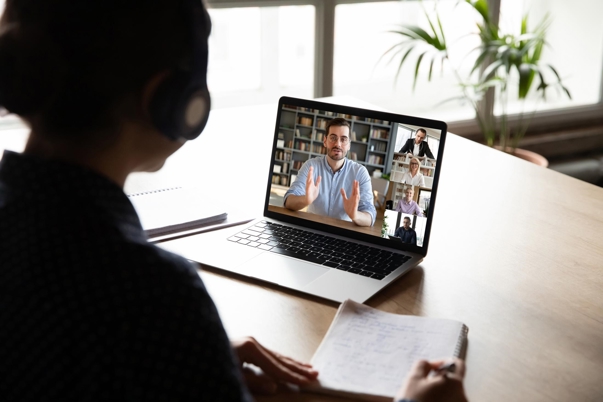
176 209
368 351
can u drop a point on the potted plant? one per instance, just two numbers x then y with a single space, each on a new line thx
503 62
384 226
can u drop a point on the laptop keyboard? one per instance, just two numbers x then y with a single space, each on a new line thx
324 250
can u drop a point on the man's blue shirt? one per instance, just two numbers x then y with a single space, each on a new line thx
330 201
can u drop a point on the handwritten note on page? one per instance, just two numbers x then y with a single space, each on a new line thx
369 352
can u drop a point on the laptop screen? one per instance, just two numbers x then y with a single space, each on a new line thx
356 172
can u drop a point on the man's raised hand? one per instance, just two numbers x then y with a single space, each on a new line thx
350 205
312 188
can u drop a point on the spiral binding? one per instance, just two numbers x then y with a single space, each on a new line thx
458 350
153 192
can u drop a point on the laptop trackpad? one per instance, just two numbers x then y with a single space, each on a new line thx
284 271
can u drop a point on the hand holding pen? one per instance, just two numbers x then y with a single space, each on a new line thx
431 381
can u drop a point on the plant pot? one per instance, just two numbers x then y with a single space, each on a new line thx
529 156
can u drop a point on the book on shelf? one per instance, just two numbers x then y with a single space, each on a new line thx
306 121
380 146
283 156
175 209
429 162
367 353
380 133
302 146
375 160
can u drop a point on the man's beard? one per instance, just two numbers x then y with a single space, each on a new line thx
334 156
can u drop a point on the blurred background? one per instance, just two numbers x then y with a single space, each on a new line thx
261 50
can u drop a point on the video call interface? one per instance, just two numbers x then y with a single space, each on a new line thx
394 164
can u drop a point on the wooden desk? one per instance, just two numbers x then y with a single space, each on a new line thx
517 256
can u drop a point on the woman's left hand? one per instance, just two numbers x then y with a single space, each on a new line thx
276 368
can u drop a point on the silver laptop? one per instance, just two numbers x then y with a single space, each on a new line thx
317 249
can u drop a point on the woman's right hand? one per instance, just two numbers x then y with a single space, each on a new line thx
420 386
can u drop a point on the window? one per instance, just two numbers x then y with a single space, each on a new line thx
258 54
261 50
575 38
403 134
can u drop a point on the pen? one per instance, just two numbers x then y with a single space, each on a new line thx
446 368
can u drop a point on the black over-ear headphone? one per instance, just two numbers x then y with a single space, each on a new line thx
180 106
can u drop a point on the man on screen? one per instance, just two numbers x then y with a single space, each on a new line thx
406 233
333 185
418 146
407 205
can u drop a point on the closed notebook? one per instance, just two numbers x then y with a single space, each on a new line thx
367 353
174 210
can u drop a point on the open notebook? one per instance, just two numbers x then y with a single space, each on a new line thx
367 353
318 250
175 210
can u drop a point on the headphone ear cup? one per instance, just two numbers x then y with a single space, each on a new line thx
180 106
179 110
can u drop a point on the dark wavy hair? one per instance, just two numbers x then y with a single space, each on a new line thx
73 66
337 122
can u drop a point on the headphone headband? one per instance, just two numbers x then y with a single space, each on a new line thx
180 107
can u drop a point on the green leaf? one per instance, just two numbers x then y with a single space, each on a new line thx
435 37
524 25
402 63
566 91
559 80
526 76
414 84
491 69
481 6
418 33
481 58
441 31
537 52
